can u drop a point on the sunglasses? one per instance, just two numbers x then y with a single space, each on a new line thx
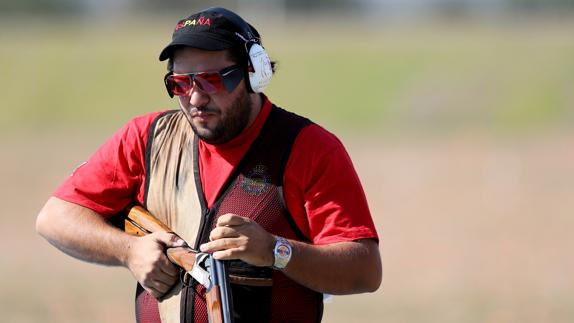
208 82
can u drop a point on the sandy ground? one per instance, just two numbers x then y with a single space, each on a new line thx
472 229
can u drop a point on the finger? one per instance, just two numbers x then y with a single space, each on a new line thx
157 281
166 280
162 276
158 289
223 232
169 269
220 244
152 291
228 254
169 239
231 219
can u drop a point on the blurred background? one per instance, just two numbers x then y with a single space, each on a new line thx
457 114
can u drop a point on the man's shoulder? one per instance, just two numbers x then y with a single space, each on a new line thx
142 123
145 120
316 136
312 136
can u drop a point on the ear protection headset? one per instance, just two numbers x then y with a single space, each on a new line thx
259 69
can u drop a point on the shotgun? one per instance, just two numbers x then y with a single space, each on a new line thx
208 271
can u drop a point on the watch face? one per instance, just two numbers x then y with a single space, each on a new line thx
283 251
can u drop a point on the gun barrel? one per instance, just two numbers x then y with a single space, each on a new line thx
220 272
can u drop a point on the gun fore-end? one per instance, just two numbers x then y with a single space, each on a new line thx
214 309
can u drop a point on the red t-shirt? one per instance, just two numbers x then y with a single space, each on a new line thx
321 188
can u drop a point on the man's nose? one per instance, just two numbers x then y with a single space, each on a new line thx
197 97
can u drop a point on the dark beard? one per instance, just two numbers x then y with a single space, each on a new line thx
231 124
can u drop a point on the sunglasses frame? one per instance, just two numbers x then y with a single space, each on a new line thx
230 76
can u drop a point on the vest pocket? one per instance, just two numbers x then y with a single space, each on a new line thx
251 304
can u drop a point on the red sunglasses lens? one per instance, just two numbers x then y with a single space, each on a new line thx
179 84
209 82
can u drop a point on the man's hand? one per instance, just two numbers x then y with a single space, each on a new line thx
237 237
149 264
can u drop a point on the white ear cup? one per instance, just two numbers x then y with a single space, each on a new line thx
262 72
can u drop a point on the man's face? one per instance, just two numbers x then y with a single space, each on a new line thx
218 117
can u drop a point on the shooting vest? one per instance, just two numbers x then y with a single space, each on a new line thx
254 190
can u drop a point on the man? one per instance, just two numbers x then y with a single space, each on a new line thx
233 175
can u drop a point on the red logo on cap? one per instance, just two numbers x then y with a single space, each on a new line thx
202 21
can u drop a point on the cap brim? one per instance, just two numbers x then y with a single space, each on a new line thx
196 41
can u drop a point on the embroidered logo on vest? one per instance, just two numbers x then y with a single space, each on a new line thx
257 181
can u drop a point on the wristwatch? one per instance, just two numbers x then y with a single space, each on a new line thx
282 253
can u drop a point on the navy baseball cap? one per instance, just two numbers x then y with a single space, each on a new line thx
210 29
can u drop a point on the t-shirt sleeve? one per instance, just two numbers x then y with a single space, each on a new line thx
113 177
323 192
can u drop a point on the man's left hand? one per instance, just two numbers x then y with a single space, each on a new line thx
237 237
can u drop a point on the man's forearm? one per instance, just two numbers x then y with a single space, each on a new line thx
340 268
82 233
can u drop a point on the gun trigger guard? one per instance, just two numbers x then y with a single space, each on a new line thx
198 272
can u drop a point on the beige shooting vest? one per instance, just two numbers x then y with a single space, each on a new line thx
171 194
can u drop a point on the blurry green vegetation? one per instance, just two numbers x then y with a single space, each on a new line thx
430 78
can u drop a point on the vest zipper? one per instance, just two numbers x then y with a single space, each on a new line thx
205 227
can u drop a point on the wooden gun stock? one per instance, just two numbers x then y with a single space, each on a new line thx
139 222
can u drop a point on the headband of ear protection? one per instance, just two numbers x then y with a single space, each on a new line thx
259 68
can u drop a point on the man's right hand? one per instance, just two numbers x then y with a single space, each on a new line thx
149 264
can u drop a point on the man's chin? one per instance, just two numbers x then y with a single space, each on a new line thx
205 133
202 126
